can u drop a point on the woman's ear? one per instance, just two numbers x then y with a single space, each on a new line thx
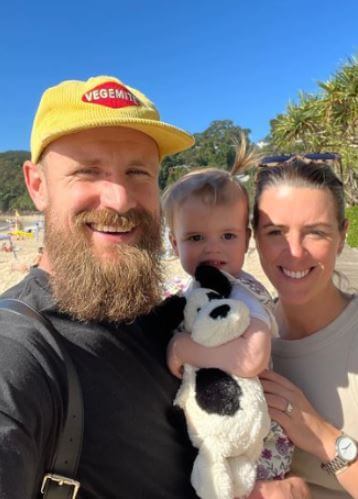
343 235
174 243
36 184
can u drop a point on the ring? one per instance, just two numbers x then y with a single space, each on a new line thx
289 409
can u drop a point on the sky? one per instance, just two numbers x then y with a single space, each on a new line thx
198 60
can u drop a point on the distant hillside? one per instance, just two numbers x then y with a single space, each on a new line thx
13 193
213 147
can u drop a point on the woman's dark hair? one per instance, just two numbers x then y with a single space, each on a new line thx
300 172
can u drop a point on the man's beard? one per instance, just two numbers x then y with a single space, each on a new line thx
118 288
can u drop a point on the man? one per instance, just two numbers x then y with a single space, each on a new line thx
96 148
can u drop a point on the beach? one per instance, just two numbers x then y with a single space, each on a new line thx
13 268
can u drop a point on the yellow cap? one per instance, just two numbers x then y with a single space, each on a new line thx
101 101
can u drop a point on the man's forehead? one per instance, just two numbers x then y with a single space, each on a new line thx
89 142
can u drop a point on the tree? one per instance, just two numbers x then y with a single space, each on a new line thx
213 147
13 193
327 121
300 128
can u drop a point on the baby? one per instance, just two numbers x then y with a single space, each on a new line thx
207 212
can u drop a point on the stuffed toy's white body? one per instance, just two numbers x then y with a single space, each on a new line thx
227 416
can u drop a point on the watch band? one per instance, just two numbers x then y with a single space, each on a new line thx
341 462
334 467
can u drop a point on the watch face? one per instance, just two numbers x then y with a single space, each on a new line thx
347 448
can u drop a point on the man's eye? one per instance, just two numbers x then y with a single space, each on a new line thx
87 172
139 172
229 235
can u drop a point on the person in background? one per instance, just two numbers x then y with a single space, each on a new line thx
300 229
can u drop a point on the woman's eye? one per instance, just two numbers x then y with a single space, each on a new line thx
274 232
318 233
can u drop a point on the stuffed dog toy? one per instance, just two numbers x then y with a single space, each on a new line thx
227 416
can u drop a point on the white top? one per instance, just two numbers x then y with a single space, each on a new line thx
255 296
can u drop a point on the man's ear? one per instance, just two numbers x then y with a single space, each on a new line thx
36 184
174 243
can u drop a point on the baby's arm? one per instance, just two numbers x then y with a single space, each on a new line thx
246 356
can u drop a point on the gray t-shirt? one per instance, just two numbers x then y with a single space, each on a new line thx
325 366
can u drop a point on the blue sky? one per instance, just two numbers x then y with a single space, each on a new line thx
198 60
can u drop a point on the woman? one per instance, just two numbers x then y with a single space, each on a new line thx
300 229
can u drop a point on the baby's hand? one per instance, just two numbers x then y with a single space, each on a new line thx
175 363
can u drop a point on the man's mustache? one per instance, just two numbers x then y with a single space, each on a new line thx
121 221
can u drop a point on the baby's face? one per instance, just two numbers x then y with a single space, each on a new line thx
215 235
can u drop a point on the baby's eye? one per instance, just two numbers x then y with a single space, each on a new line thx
195 237
229 235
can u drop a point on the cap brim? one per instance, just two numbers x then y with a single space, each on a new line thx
170 139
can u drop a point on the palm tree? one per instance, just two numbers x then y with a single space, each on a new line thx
340 102
326 121
300 129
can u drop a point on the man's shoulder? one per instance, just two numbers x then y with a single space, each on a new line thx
19 333
33 290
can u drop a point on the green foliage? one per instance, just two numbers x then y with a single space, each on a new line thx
352 215
213 147
13 193
327 121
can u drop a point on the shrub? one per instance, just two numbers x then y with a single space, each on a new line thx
352 215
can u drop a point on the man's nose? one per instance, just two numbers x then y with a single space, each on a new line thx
117 196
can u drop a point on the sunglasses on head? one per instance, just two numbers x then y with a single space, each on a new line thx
319 157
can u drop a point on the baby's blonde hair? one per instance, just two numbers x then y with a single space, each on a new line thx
212 186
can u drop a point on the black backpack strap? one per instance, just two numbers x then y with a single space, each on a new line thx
59 482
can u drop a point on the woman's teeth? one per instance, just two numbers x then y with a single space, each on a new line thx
295 275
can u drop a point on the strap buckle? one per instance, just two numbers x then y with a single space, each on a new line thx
61 481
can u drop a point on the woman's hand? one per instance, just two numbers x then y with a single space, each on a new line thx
289 488
303 425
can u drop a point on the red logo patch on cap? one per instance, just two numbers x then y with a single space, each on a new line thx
111 94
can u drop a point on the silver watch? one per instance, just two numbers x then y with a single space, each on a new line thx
346 454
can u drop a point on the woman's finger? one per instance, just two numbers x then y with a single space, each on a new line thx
272 388
277 378
277 402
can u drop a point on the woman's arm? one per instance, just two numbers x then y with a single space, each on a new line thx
304 426
245 356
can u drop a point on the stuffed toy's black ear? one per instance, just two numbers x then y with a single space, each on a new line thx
164 318
211 278
171 311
